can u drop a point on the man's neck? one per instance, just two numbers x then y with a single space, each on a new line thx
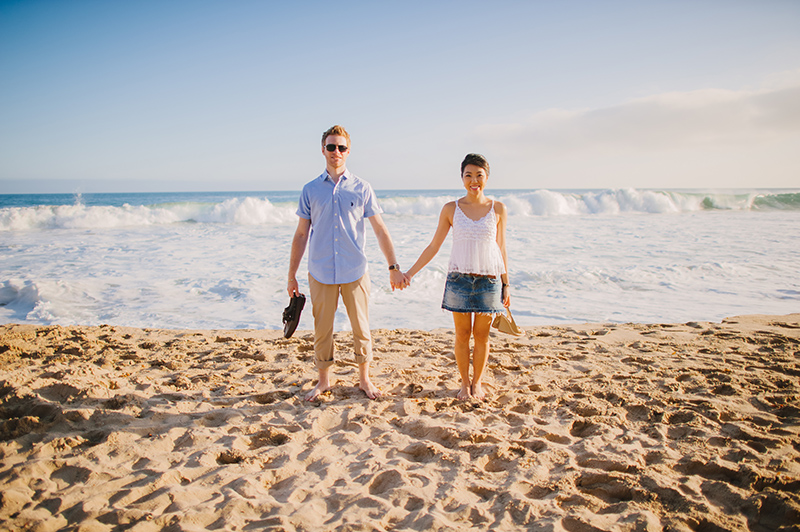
336 173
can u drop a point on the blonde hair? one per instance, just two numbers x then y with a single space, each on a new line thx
336 130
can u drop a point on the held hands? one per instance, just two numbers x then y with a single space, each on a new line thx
399 280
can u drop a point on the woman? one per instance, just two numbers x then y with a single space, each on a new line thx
477 279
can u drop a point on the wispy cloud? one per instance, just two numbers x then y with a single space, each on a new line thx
701 138
701 118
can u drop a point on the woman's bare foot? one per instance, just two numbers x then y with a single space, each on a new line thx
477 392
465 393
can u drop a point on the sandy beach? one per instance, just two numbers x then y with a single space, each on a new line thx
588 427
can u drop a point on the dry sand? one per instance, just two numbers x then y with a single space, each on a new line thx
588 427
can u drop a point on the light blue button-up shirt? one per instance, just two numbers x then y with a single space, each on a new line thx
337 212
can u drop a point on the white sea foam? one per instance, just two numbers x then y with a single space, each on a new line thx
417 205
249 210
616 255
242 211
551 203
611 201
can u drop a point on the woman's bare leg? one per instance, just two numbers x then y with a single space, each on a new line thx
463 325
480 331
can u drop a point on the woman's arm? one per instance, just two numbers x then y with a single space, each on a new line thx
502 218
445 223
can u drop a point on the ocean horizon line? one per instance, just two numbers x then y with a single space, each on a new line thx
490 190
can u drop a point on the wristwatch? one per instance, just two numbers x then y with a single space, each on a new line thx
394 267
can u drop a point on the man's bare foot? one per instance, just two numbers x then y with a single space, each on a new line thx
322 386
316 392
465 393
366 385
370 389
477 392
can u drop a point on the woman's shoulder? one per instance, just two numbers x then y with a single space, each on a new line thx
448 211
499 207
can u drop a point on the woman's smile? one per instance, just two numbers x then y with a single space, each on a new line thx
474 178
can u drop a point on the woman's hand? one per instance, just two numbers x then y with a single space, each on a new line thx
398 279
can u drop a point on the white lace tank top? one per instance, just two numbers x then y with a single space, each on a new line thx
475 248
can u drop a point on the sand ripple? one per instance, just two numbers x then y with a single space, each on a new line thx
680 427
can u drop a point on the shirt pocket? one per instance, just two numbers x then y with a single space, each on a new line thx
352 204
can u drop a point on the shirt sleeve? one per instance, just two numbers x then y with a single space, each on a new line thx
371 205
304 205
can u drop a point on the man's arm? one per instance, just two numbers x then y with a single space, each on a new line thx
299 243
396 277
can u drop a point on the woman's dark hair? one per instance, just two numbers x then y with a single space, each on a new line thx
477 159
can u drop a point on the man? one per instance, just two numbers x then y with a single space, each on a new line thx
332 211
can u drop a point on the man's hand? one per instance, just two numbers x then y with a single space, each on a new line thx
293 288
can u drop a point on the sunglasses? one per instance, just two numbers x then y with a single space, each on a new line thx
332 147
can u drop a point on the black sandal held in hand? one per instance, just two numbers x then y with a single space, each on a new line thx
291 314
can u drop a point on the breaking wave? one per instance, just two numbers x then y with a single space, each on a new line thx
250 210
239 211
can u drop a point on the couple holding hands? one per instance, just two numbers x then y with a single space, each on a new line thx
333 209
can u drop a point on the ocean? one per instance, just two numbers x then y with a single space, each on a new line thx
219 260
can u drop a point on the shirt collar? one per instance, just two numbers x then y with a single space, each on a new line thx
326 176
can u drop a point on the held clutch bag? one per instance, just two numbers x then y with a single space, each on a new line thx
505 323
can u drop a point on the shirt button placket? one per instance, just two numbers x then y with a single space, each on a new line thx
335 231
336 214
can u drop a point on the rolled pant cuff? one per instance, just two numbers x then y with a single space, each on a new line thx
324 364
363 359
360 359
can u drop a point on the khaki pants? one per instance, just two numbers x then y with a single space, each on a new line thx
325 300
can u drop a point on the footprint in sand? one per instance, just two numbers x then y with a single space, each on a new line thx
272 397
582 428
611 489
385 481
643 413
233 456
269 437
424 452
680 417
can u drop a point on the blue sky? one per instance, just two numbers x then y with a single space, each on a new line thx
201 95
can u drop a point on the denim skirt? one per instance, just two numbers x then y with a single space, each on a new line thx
466 292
